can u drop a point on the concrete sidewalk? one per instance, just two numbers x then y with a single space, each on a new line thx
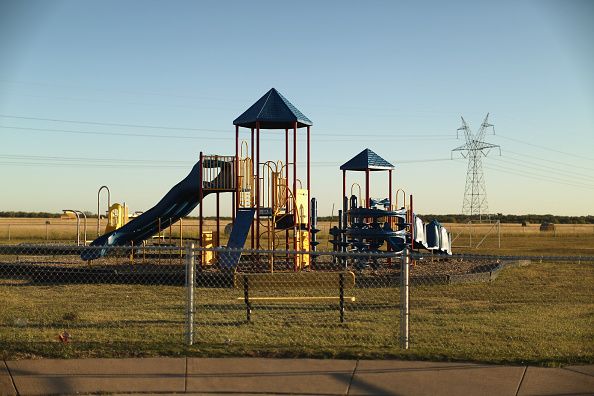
287 376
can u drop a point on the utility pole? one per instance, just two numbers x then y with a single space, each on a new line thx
475 194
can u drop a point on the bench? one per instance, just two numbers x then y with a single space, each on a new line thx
337 281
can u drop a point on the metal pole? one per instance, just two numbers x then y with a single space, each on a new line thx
170 241
237 186
296 219
411 221
252 193
201 196
499 234
287 182
295 165
77 224
390 190
181 238
108 205
84 226
308 186
190 283
218 221
366 189
159 239
257 163
404 299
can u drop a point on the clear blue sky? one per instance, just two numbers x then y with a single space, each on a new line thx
391 76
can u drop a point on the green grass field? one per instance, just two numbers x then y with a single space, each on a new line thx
542 314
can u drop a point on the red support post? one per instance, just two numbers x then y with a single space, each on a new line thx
287 181
366 188
343 191
201 193
295 192
390 193
252 192
295 159
308 185
391 219
257 164
412 225
390 187
218 221
236 195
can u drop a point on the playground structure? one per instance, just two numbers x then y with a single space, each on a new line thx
272 207
365 225
268 197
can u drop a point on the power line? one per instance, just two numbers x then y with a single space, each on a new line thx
342 109
28 159
543 177
91 165
547 148
391 134
548 160
124 92
77 132
538 177
111 160
113 124
210 137
547 169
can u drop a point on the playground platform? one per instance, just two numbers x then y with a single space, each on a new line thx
287 376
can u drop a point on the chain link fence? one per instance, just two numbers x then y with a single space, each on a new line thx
503 308
137 301
338 302
53 302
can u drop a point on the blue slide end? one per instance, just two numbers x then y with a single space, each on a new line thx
397 244
239 233
177 203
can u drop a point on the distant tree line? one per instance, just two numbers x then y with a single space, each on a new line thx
45 215
518 219
447 218
30 214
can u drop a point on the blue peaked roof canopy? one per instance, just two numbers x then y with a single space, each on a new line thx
366 160
272 111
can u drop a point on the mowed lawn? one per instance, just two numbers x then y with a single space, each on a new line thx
542 313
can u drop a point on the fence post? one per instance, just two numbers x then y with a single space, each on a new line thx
499 234
190 283
404 298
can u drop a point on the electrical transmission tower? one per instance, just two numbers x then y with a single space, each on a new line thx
475 194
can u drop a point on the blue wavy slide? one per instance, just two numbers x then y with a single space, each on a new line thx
177 203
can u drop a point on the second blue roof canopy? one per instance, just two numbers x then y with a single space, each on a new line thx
366 160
